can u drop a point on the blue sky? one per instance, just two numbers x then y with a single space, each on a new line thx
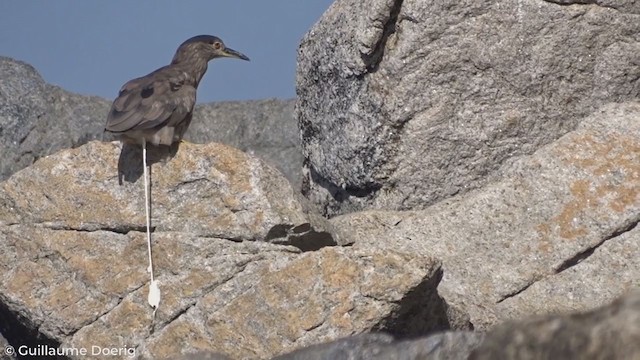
93 47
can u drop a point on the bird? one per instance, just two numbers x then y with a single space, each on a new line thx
157 108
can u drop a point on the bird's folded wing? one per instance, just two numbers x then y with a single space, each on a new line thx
150 101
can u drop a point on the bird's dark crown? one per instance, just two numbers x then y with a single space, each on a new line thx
197 49
209 39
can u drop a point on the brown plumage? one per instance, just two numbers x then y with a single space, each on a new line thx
157 108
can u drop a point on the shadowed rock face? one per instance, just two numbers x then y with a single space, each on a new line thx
3 345
610 332
38 119
448 345
404 103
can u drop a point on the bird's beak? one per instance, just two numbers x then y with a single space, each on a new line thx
234 54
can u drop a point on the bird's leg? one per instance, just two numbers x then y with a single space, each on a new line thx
154 290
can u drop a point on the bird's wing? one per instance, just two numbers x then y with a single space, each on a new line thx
150 101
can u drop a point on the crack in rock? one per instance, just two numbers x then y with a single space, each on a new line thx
579 257
581 2
517 292
338 192
123 229
108 311
574 260
374 59
190 305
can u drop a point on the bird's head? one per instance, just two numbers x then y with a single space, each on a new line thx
205 47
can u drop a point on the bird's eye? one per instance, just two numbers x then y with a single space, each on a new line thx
217 45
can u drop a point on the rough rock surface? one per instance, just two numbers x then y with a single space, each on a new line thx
211 190
6 354
405 103
611 332
265 128
601 274
354 347
443 346
73 260
38 119
551 218
201 355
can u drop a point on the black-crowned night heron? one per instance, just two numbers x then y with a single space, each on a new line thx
157 109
